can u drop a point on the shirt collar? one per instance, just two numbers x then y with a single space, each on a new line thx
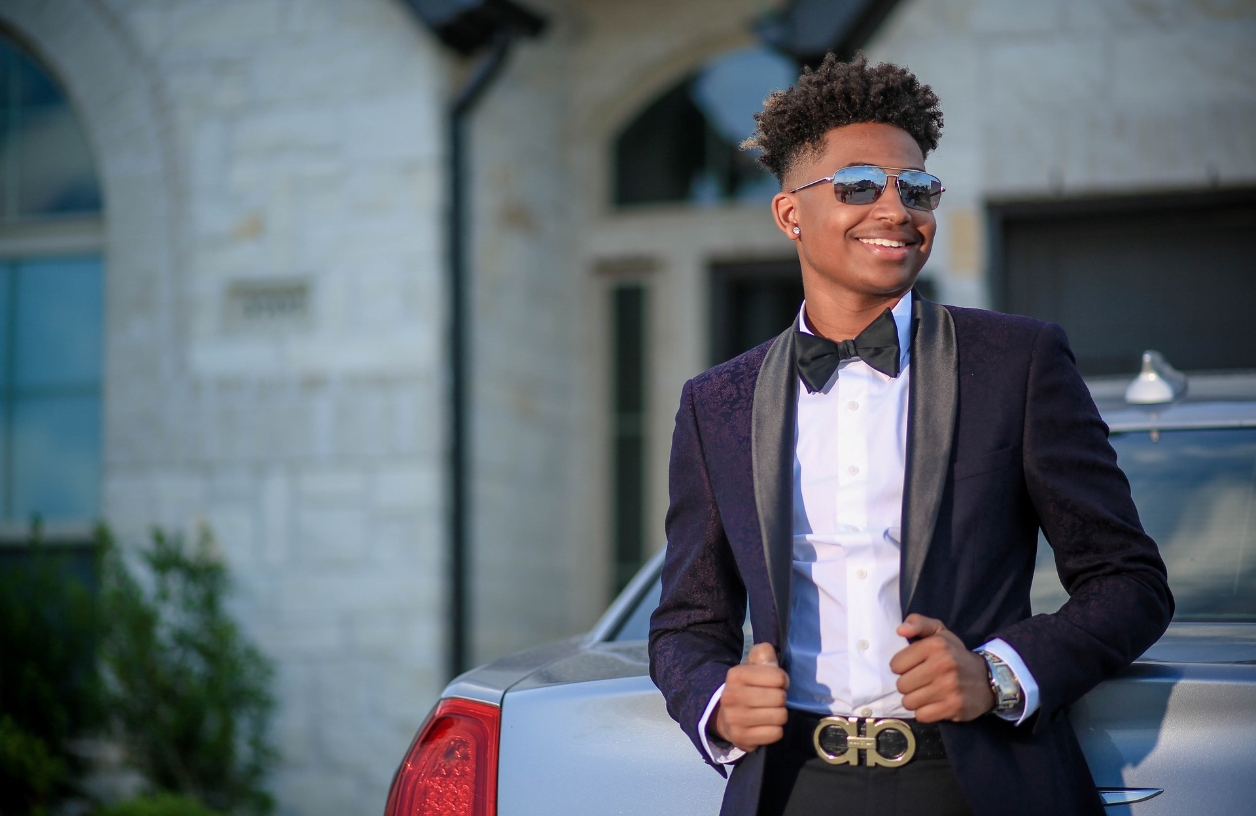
902 322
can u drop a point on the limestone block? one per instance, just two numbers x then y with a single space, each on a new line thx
1207 63
1038 79
394 128
415 542
305 632
407 487
275 500
206 29
285 131
234 526
327 486
1234 147
319 787
1012 18
331 535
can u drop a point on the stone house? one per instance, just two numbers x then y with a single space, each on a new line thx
230 211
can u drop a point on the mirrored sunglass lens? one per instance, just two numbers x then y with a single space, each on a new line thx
859 185
920 191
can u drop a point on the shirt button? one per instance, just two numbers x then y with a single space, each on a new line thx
853 470
861 574
852 406
863 645
865 712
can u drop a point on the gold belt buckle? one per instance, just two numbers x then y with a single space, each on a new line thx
867 743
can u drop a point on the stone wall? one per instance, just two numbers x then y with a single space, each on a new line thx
273 183
1074 98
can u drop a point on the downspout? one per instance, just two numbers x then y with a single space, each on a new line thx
459 348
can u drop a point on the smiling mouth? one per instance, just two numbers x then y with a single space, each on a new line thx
885 242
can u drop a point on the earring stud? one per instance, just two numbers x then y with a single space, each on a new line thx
797 231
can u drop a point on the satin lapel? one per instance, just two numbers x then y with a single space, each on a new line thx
932 403
772 461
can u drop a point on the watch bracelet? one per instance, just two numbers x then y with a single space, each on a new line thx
1002 704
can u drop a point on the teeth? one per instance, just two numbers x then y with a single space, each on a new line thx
883 242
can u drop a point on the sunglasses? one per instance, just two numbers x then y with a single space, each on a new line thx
864 184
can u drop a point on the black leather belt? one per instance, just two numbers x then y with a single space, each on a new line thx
888 742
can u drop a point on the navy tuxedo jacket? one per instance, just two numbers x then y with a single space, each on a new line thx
1002 438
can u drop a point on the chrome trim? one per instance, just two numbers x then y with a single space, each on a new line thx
1127 796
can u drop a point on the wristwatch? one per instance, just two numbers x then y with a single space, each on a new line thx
1009 699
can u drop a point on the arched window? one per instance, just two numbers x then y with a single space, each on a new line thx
683 146
51 301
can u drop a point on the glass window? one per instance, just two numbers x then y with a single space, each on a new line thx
683 146
1196 495
628 319
751 303
50 335
45 165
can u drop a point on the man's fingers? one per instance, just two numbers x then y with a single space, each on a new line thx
934 712
750 717
918 626
910 657
917 678
756 737
751 675
762 654
753 697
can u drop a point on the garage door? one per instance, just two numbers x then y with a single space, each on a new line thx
1171 273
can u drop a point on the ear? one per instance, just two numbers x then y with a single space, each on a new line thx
785 212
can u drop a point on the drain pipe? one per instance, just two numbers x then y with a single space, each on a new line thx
459 350
466 26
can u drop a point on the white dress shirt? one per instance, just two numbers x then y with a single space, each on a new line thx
849 462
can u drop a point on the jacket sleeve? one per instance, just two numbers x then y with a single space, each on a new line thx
1119 599
696 631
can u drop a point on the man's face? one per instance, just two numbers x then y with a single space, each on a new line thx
872 249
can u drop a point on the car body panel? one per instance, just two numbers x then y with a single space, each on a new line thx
1179 727
599 747
489 682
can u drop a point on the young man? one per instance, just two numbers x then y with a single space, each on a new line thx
872 482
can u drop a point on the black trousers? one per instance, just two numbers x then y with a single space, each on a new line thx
796 782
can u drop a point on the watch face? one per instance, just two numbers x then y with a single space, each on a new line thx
1009 692
1003 683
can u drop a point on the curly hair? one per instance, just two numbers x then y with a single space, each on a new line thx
793 122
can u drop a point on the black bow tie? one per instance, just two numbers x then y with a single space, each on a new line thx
818 357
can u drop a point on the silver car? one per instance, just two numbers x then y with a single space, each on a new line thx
578 727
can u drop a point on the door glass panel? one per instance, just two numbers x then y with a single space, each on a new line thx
751 303
59 316
56 458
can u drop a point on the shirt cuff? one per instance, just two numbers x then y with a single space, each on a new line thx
1003 650
719 751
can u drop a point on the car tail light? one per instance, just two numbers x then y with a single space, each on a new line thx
451 769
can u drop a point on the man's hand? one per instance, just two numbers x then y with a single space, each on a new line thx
751 712
939 678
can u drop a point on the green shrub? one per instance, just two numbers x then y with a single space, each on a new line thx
189 695
162 804
50 626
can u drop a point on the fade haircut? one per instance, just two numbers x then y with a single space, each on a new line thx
794 122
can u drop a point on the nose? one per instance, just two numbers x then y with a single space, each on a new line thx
889 204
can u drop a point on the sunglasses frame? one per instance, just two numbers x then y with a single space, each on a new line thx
890 173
